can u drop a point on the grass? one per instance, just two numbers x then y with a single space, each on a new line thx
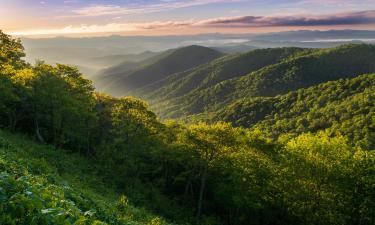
43 185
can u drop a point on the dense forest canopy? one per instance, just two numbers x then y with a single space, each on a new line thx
263 72
344 106
105 160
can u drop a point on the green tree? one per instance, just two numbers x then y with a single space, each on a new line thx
319 174
211 142
11 51
63 106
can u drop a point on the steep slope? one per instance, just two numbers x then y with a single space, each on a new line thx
221 69
301 70
345 105
40 185
113 60
123 67
144 73
106 77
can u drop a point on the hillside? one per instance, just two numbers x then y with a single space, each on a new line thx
125 79
298 71
207 75
113 60
40 185
345 106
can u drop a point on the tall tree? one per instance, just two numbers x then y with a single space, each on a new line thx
211 142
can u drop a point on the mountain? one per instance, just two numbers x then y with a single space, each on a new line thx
346 106
89 60
128 64
125 78
234 48
301 70
112 60
92 54
207 75
301 44
314 35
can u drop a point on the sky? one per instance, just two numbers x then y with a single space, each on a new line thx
178 17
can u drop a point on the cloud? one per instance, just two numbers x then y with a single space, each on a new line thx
81 29
350 18
164 24
164 5
106 28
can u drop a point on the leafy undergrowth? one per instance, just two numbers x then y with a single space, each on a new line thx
42 185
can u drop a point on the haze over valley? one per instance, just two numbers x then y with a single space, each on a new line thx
92 54
187 112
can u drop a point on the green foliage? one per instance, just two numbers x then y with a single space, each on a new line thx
343 107
327 173
39 185
11 51
63 105
299 70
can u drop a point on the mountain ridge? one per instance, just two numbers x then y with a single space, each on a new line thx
163 65
308 68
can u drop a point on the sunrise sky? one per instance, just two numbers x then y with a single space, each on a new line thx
165 17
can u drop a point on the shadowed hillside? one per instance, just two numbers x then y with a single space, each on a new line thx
124 79
301 70
208 75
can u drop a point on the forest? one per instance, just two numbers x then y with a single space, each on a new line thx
299 152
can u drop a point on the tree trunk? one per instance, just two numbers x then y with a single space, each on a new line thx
187 186
37 131
88 152
201 192
13 120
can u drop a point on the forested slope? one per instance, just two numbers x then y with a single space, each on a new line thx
40 185
207 75
344 107
124 79
301 70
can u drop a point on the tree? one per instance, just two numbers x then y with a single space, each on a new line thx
11 51
134 133
63 106
211 142
319 172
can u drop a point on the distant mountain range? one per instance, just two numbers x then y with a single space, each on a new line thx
302 69
97 53
195 80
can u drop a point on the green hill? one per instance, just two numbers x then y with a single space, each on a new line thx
112 60
210 74
345 106
127 78
298 71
